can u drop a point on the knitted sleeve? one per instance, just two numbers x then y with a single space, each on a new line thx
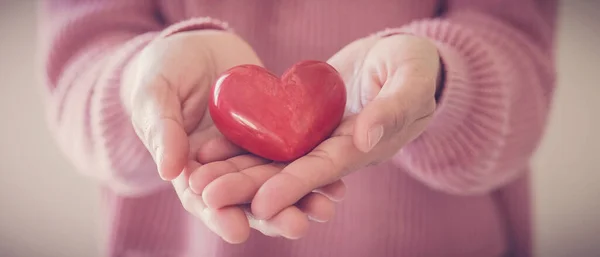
498 86
85 47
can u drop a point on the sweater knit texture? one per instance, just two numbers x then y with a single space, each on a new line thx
459 189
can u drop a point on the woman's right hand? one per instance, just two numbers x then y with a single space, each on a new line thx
166 91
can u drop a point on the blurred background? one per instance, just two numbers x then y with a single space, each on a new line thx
48 210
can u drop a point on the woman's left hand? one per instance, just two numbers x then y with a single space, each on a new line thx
391 83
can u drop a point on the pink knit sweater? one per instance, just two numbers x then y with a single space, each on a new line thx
460 189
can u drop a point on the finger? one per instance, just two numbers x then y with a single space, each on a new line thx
318 207
335 191
156 116
238 187
230 223
326 164
232 188
205 174
290 223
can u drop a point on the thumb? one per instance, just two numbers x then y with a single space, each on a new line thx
380 119
407 68
157 119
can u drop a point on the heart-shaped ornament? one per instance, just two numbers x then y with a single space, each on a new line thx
278 119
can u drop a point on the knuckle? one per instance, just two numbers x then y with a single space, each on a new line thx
399 119
325 158
330 167
373 163
305 185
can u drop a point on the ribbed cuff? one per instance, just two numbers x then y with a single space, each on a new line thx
117 142
458 149
120 144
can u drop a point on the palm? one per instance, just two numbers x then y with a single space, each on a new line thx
206 143
186 70
170 85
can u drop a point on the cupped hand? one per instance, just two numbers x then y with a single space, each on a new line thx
391 83
166 91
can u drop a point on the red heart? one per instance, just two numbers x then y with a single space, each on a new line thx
278 119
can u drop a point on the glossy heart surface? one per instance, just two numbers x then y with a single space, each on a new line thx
278 119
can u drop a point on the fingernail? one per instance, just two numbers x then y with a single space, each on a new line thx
374 135
316 220
158 159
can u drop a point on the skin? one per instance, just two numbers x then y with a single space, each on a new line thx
166 91
390 83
